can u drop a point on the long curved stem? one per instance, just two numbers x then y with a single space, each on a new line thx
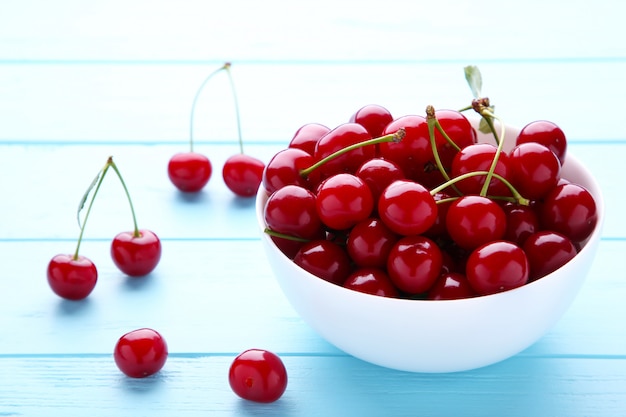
500 140
100 178
130 202
236 101
195 101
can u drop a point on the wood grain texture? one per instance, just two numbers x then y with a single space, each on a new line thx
83 81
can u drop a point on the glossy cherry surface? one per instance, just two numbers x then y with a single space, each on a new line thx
407 208
324 259
378 173
473 220
373 281
72 278
189 171
369 243
546 133
547 251
479 157
284 169
535 170
571 210
373 117
343 200
140 353
341 137
292 211
307 136
414 264
497 266
451 286
258 375
136 255
521 222
414 152
243 174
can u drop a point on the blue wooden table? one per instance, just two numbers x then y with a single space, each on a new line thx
81 81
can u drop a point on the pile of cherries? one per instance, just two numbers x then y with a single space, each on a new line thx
415 207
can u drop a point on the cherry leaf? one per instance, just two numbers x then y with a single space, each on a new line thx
474 79
83 200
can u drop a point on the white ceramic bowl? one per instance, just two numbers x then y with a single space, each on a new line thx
436 336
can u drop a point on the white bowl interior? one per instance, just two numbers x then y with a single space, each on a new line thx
436 336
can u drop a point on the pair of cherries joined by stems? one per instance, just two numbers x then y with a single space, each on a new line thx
190 171
423 210
136 253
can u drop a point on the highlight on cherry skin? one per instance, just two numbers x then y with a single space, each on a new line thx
258 375
452 218
140 353
135 253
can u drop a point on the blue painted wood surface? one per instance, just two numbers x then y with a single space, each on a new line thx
80 81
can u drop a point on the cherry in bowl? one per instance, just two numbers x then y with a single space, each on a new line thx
438 334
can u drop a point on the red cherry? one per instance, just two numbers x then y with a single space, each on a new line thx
343 200
140 353
136 255
438 229
497 266
479 157
547 134
521 222
378 173
547 251
338 138
258 375
407 208
451 286
73 278
570 210
535 170
307 136
284 169
414 264
372 117
473 220
324 259
243 174
189 171
414 151
371 281
292 211
369 243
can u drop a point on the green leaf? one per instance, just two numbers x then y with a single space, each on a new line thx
83 200
483 126
474 80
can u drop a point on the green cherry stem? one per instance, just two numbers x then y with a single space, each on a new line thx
392 137
195 101
234 92
130 201
517 197
489 116
433 124
97 182
271 232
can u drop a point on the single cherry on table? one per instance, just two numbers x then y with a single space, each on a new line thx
140 353
258 375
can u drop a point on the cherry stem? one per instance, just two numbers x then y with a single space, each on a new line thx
195 101
487 114
285 236
433 123
99 180
232 88
130 201
392 137
516 195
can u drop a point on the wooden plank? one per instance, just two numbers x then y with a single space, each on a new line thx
318 385
152 103
219 296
